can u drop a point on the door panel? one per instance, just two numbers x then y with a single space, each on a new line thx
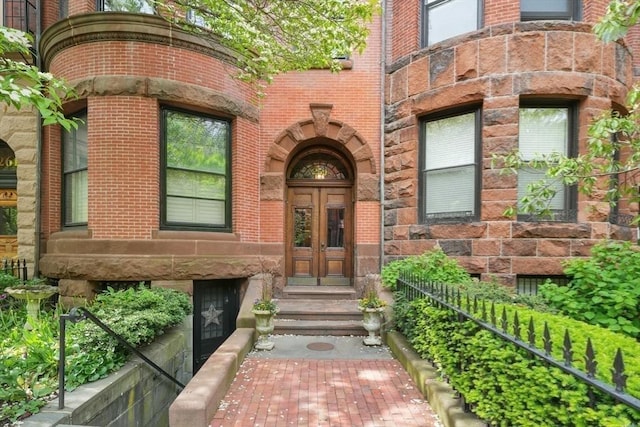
319 224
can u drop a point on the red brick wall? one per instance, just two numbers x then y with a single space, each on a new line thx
123 164
501 11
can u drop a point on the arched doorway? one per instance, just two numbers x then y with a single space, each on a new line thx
319 219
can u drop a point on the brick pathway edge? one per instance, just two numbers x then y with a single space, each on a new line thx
440 395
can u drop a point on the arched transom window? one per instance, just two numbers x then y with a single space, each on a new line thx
319 166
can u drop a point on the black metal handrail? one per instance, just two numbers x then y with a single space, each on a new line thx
413 287
77 314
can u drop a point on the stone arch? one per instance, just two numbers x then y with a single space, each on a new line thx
319 127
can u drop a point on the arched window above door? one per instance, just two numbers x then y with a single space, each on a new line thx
319 166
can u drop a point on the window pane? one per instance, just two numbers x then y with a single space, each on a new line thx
527 176
196 143
451 191
451 18
185 210
75 146
450 141
76 197
335 228
545 5
543 131
8 220
302 228
132 6
195 184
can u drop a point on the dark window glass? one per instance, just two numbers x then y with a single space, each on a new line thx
75 173
567 10
197 171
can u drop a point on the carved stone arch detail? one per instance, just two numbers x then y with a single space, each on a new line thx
305 130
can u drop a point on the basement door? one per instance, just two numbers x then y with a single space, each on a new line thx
215 307
319 235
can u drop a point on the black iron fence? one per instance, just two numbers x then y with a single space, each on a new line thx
15 268
484 315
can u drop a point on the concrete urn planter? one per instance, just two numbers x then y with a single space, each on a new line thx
264 326
372 322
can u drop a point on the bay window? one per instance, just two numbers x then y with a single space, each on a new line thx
543 130
197 171
75 174
450 175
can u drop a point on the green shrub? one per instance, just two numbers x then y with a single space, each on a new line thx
433 265
28 372
604 289
504 384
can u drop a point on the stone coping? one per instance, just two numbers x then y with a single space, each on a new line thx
198 402
440 395
85 401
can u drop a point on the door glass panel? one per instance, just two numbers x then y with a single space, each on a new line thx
302 228
335 227
8 220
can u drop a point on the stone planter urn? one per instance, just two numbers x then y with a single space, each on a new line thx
33 295
372 321
264 326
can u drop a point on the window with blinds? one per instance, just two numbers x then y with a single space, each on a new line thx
197 172
75 173
449 168
544 130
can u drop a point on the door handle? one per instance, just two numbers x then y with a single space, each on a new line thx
322 246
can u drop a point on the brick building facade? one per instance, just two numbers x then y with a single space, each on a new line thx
330 174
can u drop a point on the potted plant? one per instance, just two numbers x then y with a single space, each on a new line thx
372 308
264 310
32 291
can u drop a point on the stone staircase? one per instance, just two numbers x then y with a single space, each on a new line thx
319 310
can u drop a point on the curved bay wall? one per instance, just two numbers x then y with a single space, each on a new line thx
495 68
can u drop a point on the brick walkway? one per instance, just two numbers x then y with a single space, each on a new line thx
311 392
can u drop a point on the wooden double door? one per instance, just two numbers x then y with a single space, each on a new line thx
319 235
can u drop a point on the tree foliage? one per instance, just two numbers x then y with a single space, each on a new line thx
276 36
24 86
610 166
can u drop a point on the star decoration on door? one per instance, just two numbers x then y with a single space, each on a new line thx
211 316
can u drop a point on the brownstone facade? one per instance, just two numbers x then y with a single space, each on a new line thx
128 68
496 70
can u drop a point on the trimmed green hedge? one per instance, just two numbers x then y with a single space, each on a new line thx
505 385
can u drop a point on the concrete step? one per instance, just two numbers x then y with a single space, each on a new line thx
317 309
319 292
319 327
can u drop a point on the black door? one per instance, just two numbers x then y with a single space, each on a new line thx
215 309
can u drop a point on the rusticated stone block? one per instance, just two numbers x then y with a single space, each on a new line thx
588 53
368 187
526 52
492 56
582 248
474 230
473 265
456 248
554 248
272 187
499 229
560 53
494 210
441 68
466 61
520 247
399 85
419 76
500 116
486 247
551 230
537 265
390 217
494 178
499 265
419 231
